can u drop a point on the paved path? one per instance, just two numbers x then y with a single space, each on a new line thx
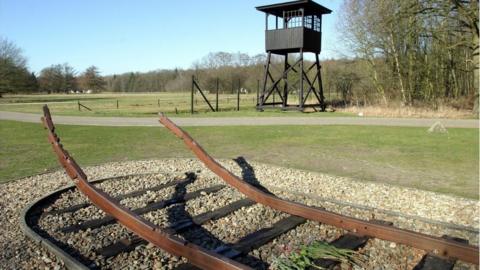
241 121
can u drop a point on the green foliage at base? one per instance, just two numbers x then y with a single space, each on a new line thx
306 256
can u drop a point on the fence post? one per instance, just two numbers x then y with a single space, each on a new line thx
158 102
238 96
78 102
191 96
216 100
117 103
258 90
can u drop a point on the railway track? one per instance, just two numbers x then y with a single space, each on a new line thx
162 213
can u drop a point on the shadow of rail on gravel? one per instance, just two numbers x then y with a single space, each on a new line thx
248 174
197 234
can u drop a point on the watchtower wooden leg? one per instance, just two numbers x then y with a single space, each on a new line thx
264 88
320 87
285 82
300 97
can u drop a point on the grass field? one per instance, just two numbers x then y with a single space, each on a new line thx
142 105
446 163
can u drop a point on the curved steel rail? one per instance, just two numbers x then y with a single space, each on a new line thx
437 245
172 244
30 229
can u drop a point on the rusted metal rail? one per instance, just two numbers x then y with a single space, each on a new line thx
196 255
436 245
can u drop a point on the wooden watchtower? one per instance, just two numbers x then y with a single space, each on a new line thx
297 28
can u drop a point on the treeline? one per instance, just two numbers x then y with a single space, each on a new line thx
62 78
414 51
232 70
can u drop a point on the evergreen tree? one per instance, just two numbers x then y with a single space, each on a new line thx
92 80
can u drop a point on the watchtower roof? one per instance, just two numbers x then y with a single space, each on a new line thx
310 8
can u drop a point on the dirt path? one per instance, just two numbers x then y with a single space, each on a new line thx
242 121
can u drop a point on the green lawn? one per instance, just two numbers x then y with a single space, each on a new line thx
412 157
142 105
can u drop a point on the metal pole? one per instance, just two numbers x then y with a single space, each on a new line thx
238 96
216 101
258 90
191 95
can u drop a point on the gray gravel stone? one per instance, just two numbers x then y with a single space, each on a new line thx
342 195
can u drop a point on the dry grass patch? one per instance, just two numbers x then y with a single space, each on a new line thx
409 112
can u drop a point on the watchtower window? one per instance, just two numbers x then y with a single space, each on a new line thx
313 22
293 18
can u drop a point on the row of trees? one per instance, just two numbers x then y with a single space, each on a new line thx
415 51
62 78
231 70
16 78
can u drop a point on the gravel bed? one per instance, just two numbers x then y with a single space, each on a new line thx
243 222
211 202
435 212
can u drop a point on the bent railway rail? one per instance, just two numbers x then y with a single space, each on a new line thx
438 245
145 229
221 258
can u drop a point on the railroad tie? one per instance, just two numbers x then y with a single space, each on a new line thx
254 240
126 244
432 261
95 223
132 194
346 241
350 241
263 236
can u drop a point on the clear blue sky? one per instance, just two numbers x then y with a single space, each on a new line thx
120 36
